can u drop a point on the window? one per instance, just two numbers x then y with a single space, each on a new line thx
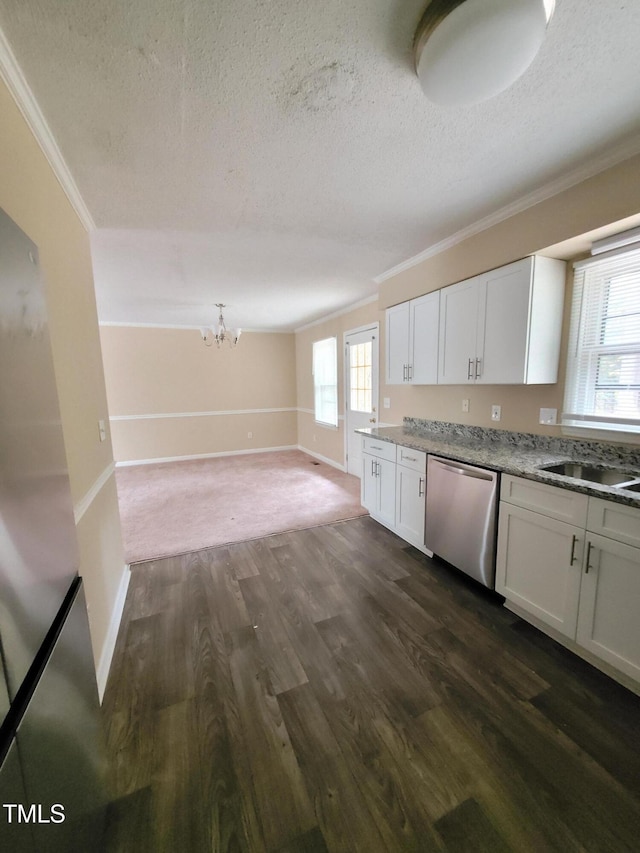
360 377
325 381
603 368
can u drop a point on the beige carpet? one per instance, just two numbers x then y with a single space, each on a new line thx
176 507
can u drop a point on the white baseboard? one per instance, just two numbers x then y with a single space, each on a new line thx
102 672
160 459
322 458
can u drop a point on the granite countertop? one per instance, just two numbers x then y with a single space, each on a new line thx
520 454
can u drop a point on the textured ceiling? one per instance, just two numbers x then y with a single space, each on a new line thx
277 155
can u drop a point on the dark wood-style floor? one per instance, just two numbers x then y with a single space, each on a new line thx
334 689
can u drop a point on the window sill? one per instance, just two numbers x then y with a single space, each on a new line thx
614 435
326 425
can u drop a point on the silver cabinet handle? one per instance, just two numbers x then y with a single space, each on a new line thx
409 372
404 372
588 566
470 369
421 487
478 371
378 467
410 458
373 467
573 549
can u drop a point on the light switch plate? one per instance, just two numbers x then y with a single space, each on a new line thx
548 416
465 405
386 402
496 413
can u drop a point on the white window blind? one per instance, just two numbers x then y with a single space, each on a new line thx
325 381
603 367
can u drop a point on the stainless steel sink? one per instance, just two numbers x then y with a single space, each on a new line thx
605 476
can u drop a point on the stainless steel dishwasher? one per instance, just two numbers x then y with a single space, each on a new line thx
461 517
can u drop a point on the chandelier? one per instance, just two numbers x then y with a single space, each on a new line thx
221 333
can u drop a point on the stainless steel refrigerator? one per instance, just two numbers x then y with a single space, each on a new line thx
52 794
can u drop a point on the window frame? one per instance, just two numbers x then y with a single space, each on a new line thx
592 277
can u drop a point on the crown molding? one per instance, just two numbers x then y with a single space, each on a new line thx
600 164
346 310
25 100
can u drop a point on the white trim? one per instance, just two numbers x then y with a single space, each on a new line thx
162 415
311 412
104 665
15 81
338 313
322 458
373 326
85 502
623 239
613 436
595 167
160 459
369 327
187 328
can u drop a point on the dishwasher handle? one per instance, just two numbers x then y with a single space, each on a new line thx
456 468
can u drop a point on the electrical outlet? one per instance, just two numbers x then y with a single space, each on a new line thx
249 435
496 413
386 402
102 430
465 405
548 416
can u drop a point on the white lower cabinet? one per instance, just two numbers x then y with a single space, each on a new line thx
582 584
393 488
378 483
539 565
411 479
609 616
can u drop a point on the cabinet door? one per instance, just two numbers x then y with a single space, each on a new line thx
458 329
503 323
538 566
387 491
410 504
397 344
369 483
423 338
608 623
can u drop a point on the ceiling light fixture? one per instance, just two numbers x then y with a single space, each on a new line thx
467 51
221 333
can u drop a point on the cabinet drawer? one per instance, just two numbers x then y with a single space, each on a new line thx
552 501
381 449
617 521
415 459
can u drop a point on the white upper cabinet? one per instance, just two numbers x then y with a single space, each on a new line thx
459 305
397 343
412 341
504 326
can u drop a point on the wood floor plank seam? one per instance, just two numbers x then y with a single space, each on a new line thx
334 690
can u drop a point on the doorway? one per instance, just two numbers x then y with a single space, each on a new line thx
361 357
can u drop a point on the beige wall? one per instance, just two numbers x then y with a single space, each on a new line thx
609 197
319 439
151 372
33 198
